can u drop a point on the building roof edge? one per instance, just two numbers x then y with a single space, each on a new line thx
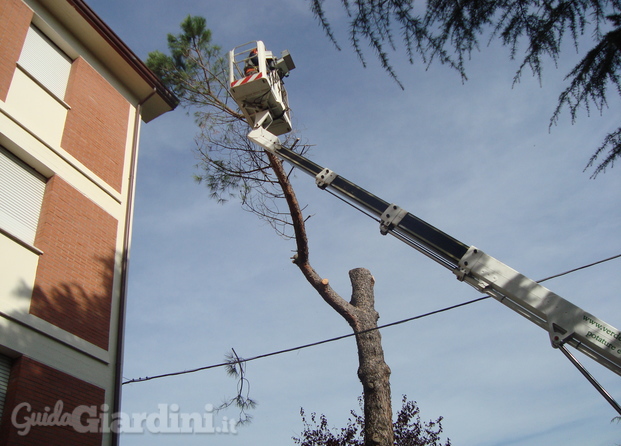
125 52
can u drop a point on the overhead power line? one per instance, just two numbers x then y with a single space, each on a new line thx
338 338
581 267
312 344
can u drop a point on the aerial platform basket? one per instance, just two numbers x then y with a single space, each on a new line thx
255 77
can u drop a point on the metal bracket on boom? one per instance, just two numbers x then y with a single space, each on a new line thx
325 178
465 266
391 217
464 270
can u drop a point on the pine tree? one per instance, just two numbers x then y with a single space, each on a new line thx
232 167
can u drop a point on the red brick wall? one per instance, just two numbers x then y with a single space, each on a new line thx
96 127
42 387
15 18
73 285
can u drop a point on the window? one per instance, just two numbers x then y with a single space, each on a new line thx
45 62
21 196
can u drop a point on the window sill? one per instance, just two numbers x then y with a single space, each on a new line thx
36 81
21 242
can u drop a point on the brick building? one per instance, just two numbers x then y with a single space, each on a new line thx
72 96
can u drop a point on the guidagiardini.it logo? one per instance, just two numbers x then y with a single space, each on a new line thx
168 419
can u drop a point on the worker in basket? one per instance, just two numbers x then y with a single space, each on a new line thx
252 63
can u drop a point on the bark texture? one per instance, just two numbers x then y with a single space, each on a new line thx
360 314
373 372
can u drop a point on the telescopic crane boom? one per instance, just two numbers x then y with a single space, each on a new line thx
565 323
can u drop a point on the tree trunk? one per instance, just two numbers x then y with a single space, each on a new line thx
373 371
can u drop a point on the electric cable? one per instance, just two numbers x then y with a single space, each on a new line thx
581 267
312 344
338 338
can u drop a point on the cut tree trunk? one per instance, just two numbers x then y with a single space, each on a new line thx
373 371
360 314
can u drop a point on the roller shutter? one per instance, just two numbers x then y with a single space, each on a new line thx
21 196
5 371
45 62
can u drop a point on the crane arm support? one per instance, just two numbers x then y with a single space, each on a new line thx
257 87
564 321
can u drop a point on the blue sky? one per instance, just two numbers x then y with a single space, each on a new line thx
475 159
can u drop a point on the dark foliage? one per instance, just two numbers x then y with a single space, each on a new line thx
534 30
408 428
